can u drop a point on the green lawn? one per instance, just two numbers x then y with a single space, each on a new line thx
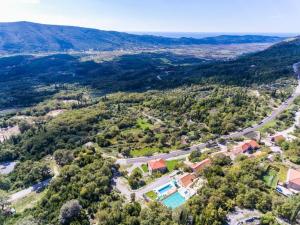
271 178
171 164
152 195
145 168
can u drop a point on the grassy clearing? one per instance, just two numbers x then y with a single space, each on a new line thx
145 168
271 178
149 151
282 174
144 152
27 202
144 124
268 126
152 195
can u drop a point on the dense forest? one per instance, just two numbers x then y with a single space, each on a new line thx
30 79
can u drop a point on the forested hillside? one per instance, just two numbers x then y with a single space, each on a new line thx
20 37
81 116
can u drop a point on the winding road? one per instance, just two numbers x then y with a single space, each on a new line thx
199 147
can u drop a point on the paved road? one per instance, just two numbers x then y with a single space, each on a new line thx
266 120
35 188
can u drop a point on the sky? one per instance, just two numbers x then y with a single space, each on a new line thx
240 16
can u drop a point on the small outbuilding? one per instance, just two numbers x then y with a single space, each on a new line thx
197 167
293 179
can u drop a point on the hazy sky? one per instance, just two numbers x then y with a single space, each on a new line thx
160 15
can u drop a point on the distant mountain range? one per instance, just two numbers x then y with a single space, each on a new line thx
18 37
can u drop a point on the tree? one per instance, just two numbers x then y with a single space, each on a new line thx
156 214
135 179
24 126
195 155
268 219
221 160
69 211
5 183
3 202
63 157
102 142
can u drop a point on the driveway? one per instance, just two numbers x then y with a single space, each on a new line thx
35 188
121 185
157 183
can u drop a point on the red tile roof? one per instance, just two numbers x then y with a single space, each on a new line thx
245 147
201 165
187 179
157 164
253 144
293 176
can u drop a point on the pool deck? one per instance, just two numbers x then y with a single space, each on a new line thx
174 200
173 188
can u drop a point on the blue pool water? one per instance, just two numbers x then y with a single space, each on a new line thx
174 200
165 189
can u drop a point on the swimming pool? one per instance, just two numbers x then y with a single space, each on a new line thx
174 200
164 189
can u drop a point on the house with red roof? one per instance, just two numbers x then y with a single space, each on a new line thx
157 165
187 179
293 179
254 145
245 147
197 167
